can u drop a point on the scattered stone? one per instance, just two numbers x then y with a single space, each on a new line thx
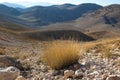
20 78
104 76
76 66
43 68
54 72
79 74
113 77
68 74
69 79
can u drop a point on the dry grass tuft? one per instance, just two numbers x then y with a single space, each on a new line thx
102 46
60 54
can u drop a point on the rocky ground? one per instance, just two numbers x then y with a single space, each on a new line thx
93 65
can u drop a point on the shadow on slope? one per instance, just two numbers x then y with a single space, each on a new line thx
58 34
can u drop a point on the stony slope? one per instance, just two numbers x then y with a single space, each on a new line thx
105 19
39 15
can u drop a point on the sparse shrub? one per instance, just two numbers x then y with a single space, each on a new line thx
60 54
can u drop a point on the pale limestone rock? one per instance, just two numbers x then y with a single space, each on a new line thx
68 73
20 78
10 73
113 77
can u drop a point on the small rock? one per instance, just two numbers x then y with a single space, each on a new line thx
6 61
104 76
12 69
43 68
95 73
54 72
10 73
69 79
79 73
113 77
68 74
20 78
76 66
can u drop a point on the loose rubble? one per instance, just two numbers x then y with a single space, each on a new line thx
90 67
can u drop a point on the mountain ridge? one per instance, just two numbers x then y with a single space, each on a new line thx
14 5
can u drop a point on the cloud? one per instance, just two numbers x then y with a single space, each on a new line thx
33 2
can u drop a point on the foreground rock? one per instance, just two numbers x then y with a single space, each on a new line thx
10 73
6 61
113 77
68 74
20 78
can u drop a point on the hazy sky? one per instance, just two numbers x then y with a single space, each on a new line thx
28 2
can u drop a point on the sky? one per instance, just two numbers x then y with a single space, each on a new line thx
33 2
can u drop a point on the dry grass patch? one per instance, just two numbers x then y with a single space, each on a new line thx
86 46
104 46
60 54
106 52
22 56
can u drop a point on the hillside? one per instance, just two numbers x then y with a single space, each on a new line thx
39 15
60 42
103 22
13 20
103 34
9 10
107 18
58 34
104 19
14 5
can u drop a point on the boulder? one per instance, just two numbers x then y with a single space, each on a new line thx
6 61
10 73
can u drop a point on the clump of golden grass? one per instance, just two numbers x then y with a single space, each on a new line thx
60 54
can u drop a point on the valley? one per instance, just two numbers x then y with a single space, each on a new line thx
60 42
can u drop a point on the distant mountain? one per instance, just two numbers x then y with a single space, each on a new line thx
107 18
91 19
44 4
39 15
103 22
64 6
14 5
9 10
